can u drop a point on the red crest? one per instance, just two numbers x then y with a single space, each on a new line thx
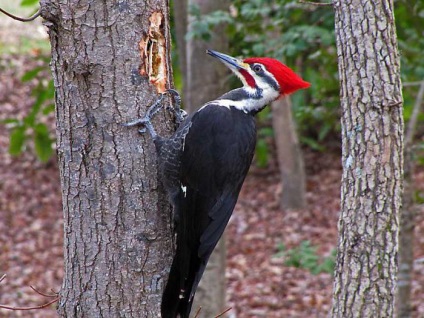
288 80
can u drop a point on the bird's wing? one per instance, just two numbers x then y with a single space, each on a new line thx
217 154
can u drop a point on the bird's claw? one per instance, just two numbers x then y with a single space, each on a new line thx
139 121
180 114
145 121
152 110
176 95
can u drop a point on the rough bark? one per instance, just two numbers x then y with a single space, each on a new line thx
289 154
117 219
372 154
204 80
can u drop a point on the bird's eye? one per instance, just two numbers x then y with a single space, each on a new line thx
257 68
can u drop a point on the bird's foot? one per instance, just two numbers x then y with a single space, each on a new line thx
154 109
146 121
180 114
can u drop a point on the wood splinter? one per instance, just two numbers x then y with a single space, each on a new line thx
153 53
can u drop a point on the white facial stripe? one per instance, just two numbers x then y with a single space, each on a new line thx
253 104
260 80
262 94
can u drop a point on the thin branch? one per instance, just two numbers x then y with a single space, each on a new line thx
224 312
30 308
56 298
43 294
197 312
418 83
412 125
54 292
395 103
318 4
35 16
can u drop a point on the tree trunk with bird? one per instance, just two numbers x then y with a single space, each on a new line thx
109 62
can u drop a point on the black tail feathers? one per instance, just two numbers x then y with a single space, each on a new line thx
184 277
171 296
176 300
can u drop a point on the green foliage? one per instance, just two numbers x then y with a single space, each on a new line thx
305 256
29 3
201 25
17 140
418 153
303 37
261 152
418 197
26 45
43 142
23 42
31 127
328 263
409 21
262 146
409 26
264 134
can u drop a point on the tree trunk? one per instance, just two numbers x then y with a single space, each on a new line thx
289 154
407 218
372 135
204 79
118 245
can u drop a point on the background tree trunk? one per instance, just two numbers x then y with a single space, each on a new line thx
203 81
407 217
290 160
372 135
117 220
406 240
181 25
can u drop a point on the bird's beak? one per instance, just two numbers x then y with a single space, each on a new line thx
231 62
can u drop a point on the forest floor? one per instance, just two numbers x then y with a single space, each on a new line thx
260 284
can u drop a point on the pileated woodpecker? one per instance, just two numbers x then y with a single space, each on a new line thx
204 163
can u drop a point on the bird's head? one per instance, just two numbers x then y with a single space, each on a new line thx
263 73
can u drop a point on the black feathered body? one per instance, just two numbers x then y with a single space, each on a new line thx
203 166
